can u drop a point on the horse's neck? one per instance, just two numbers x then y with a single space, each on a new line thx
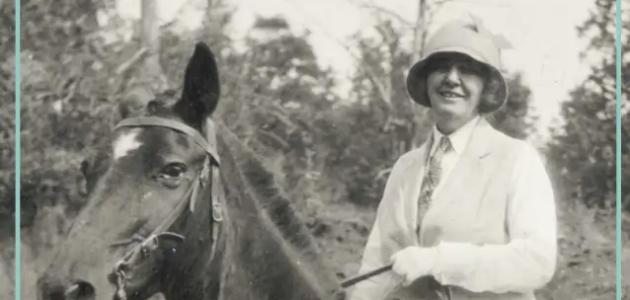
256 260
201 277
257 266
249 264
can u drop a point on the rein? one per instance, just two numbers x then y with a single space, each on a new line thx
139 255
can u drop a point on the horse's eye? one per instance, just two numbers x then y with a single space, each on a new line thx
173 171
172 174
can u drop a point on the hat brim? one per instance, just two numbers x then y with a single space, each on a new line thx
417 83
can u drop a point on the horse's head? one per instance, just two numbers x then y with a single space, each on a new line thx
143 199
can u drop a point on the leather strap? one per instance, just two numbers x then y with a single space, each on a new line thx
138 254
175 125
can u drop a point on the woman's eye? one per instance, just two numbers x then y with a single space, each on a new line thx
173 170
441 65
471 69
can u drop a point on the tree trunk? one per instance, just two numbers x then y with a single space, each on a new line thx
419 32
207 21
420 114
154 78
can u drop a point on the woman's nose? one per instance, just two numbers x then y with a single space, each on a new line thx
453 75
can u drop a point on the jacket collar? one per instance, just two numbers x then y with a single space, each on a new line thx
459 138
479 143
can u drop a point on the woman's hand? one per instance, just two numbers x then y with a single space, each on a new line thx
413 262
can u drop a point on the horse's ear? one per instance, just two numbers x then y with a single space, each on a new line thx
201 87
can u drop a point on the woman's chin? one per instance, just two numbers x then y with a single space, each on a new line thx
448 110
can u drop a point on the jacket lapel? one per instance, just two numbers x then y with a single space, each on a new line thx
465 183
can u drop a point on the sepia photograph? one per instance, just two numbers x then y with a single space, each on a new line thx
295 149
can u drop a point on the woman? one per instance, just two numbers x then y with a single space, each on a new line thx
470 214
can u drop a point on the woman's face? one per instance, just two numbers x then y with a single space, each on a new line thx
455 84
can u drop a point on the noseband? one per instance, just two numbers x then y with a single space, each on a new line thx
140 257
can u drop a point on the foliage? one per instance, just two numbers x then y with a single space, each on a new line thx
276 93
583 149
7 118
66 98
379 123
581 153
516 117
7 151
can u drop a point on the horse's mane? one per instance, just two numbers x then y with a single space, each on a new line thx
272 202
268 195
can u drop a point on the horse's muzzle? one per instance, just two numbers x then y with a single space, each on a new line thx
50 289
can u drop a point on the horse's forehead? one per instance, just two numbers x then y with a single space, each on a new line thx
126 142
132 139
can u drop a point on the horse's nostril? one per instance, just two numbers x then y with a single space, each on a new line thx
54 295
51 288
80 290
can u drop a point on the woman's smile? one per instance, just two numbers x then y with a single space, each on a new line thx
450 94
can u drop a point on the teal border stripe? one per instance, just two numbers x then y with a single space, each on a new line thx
618 143
18 149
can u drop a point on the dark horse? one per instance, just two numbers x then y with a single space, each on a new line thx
171 209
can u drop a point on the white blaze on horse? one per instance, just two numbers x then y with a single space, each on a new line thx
126 143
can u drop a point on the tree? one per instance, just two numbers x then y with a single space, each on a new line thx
151 68
144 69
582 149
383 122
7 120
515 118
65 93
7 153
273 96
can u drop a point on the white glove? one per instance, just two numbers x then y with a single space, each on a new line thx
413 262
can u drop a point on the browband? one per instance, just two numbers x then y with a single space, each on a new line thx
210 148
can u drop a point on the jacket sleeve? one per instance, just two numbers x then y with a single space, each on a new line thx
527 262
384 240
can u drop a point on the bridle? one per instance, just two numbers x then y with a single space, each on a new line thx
140 256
